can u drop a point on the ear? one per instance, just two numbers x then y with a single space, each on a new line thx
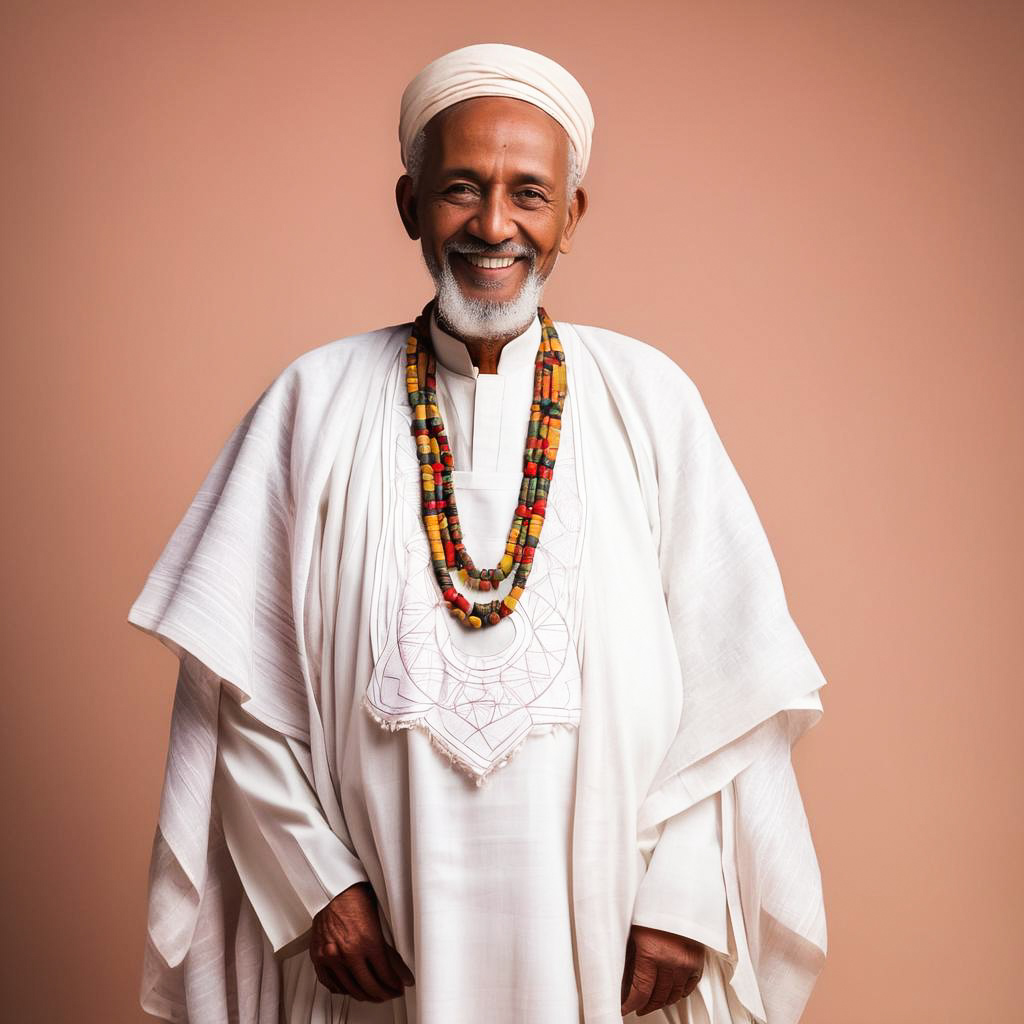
405 197
577 208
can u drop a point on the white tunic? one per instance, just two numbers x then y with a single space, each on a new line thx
488 866
653 643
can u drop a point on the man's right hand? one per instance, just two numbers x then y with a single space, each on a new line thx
349 952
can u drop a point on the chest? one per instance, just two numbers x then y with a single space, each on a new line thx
479 692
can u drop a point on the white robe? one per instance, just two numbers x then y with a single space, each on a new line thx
284 533
503 852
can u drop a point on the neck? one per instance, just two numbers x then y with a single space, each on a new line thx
483 351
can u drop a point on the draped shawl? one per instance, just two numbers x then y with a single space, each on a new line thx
695 678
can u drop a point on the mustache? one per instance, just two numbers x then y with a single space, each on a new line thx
480 249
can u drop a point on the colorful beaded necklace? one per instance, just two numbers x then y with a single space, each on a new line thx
440 514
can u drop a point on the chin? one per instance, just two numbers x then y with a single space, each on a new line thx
482 311
489 296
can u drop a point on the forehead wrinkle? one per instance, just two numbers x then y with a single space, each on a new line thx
516 162
469 124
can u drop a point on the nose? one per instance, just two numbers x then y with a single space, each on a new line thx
491 223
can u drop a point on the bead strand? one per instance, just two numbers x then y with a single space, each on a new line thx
437 464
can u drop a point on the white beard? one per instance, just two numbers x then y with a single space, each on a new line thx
478 318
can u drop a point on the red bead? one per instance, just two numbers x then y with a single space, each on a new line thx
438 501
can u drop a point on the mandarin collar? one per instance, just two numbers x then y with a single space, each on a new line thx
517 354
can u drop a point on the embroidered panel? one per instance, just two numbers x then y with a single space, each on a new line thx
479 693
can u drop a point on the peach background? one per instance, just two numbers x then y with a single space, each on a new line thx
816 208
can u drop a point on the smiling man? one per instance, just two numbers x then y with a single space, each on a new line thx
553 784
493 194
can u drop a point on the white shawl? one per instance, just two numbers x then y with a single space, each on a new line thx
695 677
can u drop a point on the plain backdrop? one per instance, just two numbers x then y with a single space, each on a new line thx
815 208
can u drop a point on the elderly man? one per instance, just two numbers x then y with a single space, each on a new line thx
552 784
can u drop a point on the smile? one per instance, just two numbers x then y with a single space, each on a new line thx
490 265
490 262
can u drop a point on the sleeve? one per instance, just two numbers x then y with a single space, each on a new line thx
289 859
683 890
751 689
225 597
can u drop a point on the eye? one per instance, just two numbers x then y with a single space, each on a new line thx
532 194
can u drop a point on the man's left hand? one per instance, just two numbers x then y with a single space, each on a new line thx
661 968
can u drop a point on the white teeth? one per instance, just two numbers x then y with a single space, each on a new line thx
491 262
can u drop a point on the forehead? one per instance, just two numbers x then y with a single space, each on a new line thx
486 127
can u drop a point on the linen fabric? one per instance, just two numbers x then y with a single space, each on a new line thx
498 69
488 869
479 694
280 585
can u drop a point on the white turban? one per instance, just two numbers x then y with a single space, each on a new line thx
498 69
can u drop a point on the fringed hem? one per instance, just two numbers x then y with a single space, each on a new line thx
455 760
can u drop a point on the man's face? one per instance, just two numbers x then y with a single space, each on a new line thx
493 182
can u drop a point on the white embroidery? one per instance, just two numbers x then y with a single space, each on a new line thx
479 708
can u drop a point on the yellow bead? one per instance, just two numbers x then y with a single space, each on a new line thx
474 621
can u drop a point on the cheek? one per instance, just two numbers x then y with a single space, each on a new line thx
550 251
547 236
443 221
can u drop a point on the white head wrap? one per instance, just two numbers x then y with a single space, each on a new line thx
498 69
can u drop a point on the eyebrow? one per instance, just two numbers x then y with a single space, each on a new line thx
527 177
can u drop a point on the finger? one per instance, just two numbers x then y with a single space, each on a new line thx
662 987
627 971
399 965
692 982
364 977
349 983
384 974
678 988
644 976
327 978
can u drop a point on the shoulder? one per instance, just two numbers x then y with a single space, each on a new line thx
340 369
292 409
637 370
355 354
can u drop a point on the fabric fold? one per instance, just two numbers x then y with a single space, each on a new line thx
289 859
721 658
683 889
694 678
206 957
222 587
224 596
